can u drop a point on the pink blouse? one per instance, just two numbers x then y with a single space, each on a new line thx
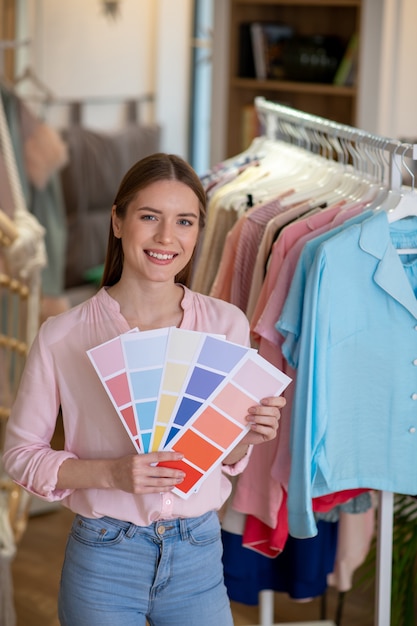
58 373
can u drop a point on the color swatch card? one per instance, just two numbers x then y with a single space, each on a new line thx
182 348
144 356
214 359
186 391
109 363
219 423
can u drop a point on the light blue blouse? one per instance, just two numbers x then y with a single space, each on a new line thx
351 332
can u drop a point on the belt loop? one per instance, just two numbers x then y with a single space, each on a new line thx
184 529
131 531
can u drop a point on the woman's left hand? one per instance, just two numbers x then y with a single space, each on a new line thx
264 422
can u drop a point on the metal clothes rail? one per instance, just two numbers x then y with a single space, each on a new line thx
316 133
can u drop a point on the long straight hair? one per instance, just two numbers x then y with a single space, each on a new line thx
156 167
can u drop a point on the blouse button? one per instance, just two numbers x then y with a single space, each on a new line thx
412 430
168 502
414 396
415 362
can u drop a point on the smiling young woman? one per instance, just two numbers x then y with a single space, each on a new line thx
135 549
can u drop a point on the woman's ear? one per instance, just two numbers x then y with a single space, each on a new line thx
116 223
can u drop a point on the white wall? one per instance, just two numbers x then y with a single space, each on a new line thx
405 90
220 55
369 62
388 88
173 72
81 54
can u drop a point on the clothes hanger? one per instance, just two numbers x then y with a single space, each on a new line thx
262 178
352 185
407 203
285 173
297 164
393 195
312 168
259 145
282 166
35 93
30 75
366 174
379 167
332 181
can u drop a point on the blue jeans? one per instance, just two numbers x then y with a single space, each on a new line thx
169 573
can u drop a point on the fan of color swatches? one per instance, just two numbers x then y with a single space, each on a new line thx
185 390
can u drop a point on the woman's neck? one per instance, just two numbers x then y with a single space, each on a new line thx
149 306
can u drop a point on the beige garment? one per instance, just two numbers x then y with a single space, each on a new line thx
210 258
222 284
45 153
230 198
354 541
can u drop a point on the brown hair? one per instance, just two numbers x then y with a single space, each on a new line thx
153 168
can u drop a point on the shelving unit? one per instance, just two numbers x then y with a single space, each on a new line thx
341 18
7 33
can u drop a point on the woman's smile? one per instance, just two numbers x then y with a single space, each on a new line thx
161 256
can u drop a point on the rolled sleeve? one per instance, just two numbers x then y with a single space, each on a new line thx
40 481
237 468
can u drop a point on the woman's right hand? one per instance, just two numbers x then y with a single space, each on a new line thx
140 473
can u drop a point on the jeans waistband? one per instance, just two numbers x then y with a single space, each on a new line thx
162 528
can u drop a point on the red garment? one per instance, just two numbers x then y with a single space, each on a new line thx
262 538
322 504
270 542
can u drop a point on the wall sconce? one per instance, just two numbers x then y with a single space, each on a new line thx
111 8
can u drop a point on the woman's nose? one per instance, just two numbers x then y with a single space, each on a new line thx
164 232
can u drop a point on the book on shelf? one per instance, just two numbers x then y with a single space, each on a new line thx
346 72
268 40
246 65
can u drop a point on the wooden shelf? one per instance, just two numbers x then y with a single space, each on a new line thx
292 86
340 18
313 3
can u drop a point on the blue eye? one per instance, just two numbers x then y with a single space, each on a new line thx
185 222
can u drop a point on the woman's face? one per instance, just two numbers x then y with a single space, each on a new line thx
159 232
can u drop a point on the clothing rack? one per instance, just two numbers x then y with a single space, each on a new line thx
133 105
318 134
137 109
147 97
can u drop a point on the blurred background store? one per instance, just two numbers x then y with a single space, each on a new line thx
112 80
